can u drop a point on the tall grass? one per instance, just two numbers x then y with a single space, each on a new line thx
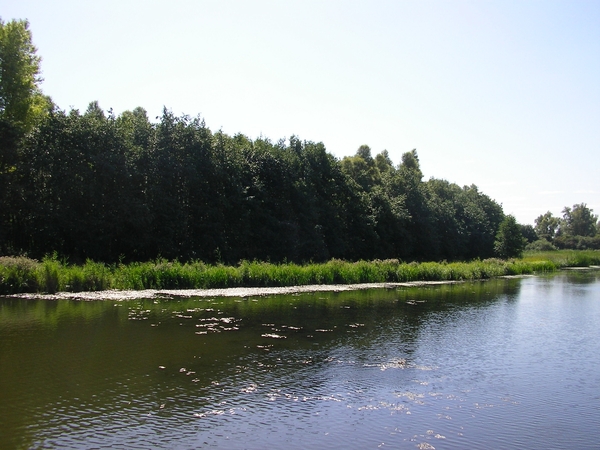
19 274
566 258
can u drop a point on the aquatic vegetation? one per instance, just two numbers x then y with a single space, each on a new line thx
565 258
20 274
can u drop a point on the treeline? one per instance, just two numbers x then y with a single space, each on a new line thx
107 188
578 229
96 186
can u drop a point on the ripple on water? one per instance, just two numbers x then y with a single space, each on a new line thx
468 374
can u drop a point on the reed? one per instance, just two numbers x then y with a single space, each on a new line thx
565 258
20 274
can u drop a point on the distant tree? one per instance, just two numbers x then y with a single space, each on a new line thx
384 162
358 169
94 111
362 168
580 221
364 151
482 218
566 241
509 240
546 226
423 241
448 205
410 161
529 233
541 245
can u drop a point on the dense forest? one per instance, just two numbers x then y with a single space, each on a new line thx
96 185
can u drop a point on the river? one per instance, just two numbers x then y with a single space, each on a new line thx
499 364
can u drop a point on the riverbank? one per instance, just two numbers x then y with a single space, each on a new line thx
23 275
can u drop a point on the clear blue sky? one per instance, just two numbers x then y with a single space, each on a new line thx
501 94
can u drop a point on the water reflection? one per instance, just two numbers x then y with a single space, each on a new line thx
408 367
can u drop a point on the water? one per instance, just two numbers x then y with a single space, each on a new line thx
498 364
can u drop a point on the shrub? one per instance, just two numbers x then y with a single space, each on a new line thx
541 245
18 274
577 242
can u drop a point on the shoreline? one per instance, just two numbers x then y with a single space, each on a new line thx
51 280
241 292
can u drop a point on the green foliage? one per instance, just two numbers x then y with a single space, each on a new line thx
577 229
92 276
98 187
465 220
541 245
383 162
577 242
18 274
546 226
21 101
362 168
565 258
51 275
509 240
529 233
579 221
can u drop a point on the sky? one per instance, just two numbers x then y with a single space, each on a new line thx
501 94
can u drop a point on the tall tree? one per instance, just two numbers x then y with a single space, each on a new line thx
362 169
529 233
580 221
546 226
21 99
509 240
21 103
424 240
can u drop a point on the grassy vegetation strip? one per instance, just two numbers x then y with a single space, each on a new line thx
566 258
20 275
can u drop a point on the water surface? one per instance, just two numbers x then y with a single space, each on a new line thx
508 363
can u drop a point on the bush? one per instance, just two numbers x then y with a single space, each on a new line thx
577 242
18 274
541 245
